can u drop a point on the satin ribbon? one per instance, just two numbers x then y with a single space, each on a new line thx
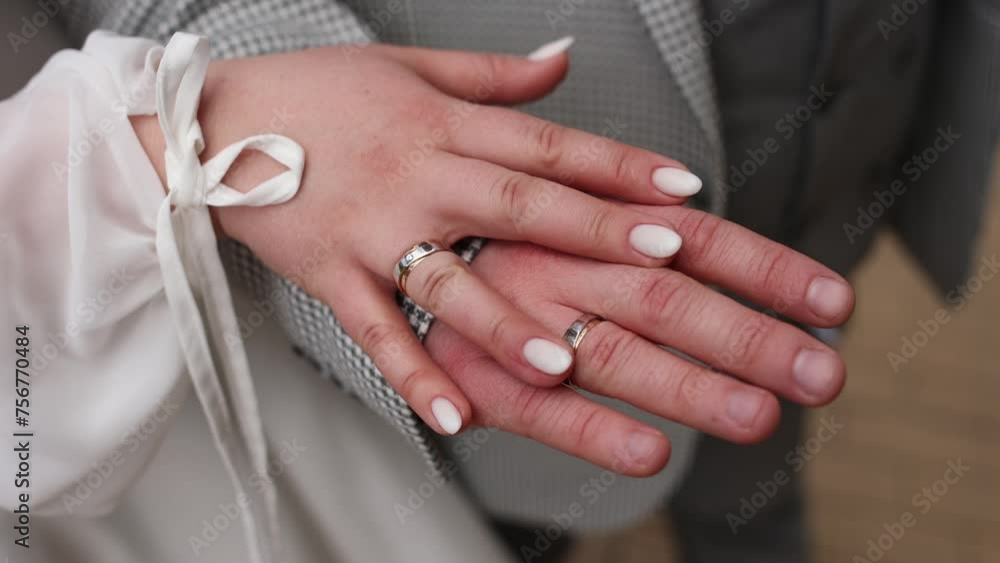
195 283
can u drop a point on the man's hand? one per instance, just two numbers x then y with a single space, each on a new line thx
758 355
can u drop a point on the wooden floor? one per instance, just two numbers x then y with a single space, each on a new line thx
900 431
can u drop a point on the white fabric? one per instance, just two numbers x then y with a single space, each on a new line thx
114 277
339 469
192 271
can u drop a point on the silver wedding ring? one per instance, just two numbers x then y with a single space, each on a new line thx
576 331
410 260
575 334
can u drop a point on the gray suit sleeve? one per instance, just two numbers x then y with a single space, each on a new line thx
940 219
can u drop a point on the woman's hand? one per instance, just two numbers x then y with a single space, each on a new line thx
398 151
759 356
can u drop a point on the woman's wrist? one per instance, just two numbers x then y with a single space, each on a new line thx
221 124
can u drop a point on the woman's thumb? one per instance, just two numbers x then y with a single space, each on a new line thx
489 77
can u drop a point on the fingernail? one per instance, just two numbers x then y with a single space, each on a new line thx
828 298
814 371
654 241
547 357
642 446
676 182
446 414
552 49
744 406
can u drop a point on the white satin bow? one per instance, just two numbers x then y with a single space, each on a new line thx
195 283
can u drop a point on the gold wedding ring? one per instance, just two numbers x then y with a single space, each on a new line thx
411 258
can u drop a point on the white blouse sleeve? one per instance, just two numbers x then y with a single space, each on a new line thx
119 284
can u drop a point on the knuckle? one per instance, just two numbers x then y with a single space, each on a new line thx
701 233
531 408
771 269
376 337
492 66
746 341
620 161
514 192
659 294
684 385
585 426
606 353
499 327
442 285
406 386
598 225
549 144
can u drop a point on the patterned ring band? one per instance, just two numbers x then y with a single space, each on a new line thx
574 336
411 258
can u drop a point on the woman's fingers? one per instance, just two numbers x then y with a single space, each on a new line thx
771 275
444 285
495 202
483 77
617 363
370 316
670 308
589 162
557 416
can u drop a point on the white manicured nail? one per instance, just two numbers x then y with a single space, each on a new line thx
676 182
547 357
654 241
447 415
552 49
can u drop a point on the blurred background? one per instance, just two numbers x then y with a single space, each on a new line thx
900 430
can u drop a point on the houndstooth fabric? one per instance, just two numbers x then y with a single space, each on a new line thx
674 26
240 28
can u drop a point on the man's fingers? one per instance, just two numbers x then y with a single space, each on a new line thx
585 161
670 308
483 77
370 316
617 363
771 275
557 417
